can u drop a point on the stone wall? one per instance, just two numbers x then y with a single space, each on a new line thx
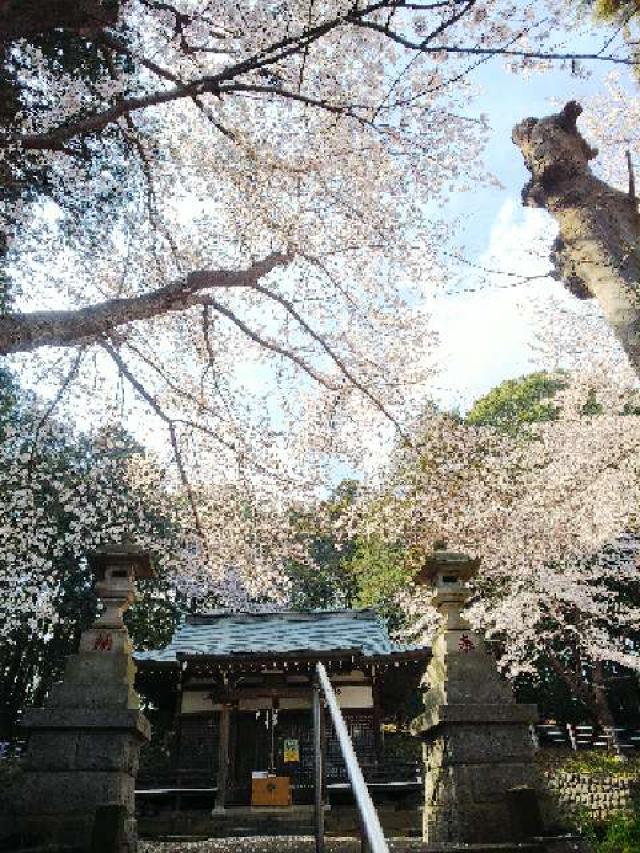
598 796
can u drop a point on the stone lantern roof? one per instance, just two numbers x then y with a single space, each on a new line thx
453 564
121 554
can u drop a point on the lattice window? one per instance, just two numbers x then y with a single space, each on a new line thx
198 749
361 731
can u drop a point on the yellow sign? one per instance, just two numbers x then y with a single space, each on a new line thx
291 751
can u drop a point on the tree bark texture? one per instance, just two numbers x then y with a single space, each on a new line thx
596 252
24 332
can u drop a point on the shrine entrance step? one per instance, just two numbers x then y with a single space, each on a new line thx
306 844
245 822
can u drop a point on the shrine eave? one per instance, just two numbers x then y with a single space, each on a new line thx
272 660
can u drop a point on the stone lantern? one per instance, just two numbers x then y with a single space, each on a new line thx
82 756
448 573
116 568
477 747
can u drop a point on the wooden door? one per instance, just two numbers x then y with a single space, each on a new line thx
250 740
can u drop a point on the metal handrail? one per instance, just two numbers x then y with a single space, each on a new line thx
368 815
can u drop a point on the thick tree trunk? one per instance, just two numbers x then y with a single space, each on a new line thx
24 18
597 249
603 708
605 715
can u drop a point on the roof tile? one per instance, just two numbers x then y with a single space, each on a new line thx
289 631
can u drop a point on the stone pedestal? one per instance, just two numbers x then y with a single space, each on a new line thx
477 746
83 747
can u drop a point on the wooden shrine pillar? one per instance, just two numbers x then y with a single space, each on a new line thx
377 733
223 757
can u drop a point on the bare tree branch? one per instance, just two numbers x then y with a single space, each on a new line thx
71 374
28 331
342 367
424 47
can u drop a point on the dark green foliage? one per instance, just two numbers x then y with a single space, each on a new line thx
592 406
323 580
622 835
630 408
380 572
8 399
615 10
517 402
153 619
347 571
604 764
619 834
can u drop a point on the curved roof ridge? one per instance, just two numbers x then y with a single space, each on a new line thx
194 618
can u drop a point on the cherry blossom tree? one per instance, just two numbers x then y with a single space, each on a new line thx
220 223
552 512
312 141
63 494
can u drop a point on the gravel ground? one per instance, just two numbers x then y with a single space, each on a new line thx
275 844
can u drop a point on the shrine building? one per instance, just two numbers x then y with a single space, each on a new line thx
230 703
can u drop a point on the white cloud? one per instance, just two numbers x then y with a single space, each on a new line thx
489 329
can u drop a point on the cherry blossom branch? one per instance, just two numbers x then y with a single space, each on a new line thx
265 343
55 139
181 392
71 374
422 47
517 277
121 47
271 55
342 367
133 138
173 436
28 331
336 109
194 425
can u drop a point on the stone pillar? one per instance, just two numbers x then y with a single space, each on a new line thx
476 738
83 747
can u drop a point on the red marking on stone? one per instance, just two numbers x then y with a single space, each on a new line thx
465 643
103 643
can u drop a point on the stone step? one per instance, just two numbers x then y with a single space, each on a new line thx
306 844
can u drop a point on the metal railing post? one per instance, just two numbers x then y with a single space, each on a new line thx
373 834
318 769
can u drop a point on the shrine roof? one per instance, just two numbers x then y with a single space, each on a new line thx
307 633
